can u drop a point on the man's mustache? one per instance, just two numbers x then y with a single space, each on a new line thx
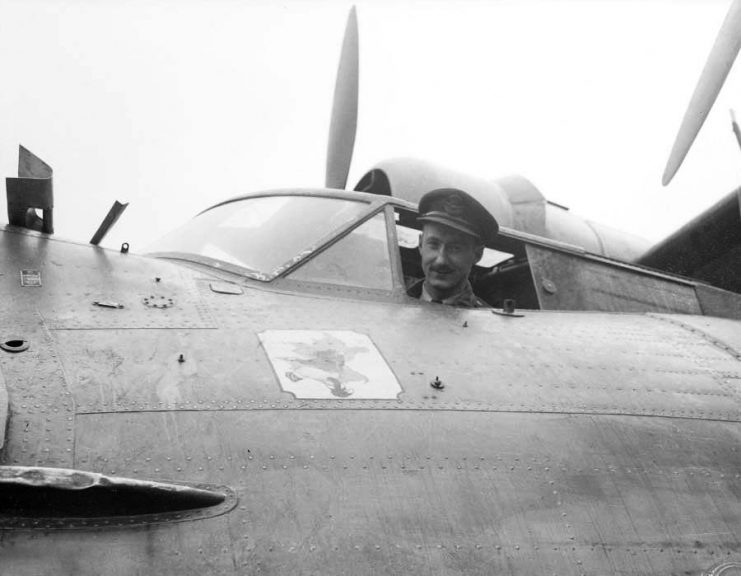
441 269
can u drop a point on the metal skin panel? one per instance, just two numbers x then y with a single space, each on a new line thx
607 363
191 549
567 443
724 334
567 282
74 277
540 362
3 409
717 302
429 492
40 425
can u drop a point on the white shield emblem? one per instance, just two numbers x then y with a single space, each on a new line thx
329 365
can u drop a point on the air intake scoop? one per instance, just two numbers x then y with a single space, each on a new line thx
57 497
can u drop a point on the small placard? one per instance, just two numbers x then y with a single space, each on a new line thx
30 278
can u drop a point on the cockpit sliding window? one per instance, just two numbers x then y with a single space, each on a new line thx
260 237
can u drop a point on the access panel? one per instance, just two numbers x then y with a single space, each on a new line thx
571 282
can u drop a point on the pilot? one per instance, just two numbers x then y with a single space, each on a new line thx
456 228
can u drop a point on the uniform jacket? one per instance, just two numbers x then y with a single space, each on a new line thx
463 299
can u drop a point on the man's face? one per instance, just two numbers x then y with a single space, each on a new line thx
447 258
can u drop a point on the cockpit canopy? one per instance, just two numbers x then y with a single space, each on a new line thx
264 236
365 245
307 235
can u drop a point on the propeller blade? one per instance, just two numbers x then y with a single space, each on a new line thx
711 80
344 109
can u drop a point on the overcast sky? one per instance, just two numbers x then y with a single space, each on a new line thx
173 105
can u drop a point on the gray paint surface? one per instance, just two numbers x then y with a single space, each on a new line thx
563 442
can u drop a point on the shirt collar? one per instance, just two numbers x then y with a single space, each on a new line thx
464 296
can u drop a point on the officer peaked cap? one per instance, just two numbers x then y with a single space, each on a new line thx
458 210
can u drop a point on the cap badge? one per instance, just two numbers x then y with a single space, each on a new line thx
453 205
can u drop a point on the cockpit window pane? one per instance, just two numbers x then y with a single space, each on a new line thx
359 259
263 233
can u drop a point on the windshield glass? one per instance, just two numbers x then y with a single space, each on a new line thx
359 259
261 234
